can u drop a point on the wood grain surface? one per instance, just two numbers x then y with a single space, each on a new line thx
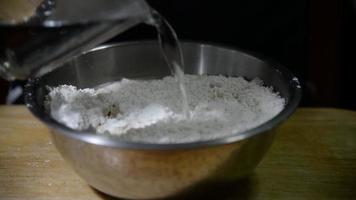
313 157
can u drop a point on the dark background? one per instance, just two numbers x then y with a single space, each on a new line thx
315 39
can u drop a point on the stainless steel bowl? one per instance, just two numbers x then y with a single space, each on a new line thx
145 171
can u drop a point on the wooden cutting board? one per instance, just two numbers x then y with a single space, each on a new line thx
313 157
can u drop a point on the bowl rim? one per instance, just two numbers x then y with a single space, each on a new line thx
115 142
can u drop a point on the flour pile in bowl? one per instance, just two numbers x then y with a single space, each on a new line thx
151 111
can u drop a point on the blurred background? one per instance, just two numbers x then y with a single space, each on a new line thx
314 39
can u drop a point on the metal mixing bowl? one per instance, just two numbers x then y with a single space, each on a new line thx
145 171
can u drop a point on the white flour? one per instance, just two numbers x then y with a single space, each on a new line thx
151 111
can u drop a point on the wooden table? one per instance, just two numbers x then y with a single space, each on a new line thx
313 157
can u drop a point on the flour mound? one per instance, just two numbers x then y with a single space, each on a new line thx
151 111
